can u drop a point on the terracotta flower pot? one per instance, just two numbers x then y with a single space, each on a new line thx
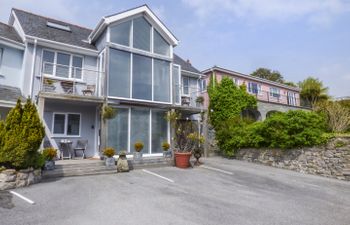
182 159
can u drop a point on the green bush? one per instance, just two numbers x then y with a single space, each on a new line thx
293 129
21 136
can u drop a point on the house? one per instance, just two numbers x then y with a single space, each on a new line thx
126 62
272 96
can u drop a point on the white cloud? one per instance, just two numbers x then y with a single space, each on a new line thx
319 12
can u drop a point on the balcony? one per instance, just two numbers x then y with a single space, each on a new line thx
267 96
187 97
70 81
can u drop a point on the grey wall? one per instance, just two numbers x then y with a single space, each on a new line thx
264 108
88 116
101 42
11 67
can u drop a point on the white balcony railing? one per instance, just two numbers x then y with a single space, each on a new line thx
68 80
188 96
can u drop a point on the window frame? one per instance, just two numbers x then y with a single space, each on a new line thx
258 88
64 134
1 56
71 67
275 92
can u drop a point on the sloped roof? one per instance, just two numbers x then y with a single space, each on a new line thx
10 94
185 65
36 25
9 32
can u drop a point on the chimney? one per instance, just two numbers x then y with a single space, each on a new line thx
188 61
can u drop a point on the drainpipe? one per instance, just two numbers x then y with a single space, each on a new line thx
33 69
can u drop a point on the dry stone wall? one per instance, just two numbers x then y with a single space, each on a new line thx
11 178
331 160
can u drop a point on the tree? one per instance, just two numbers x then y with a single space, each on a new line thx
268 74
338 115
21 136
312 91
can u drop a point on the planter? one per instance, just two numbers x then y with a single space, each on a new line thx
110 162
49 165
167 154
182 159
137 156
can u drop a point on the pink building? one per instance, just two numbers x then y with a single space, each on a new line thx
271 96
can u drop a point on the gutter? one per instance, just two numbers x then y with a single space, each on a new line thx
33 69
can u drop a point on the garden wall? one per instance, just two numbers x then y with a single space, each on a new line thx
332 160
11 178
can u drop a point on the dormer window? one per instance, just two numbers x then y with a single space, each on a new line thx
58 26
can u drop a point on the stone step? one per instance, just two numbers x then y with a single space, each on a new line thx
49 175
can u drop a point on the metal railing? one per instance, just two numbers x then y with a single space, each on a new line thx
276 98
69 80
188 96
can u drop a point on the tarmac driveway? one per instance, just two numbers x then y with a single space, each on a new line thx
220 192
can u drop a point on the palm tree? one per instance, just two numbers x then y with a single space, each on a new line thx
313 91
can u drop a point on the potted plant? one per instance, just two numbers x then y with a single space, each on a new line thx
200 100
138 146
49 154
122 163
49 85
109 153
187 139
108 113
166 146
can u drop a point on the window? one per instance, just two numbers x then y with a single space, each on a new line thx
62 64
142 34
292 100
160 45
1 53
67 124
185 85
118 129
120 33
274 92
58 26
119 73
161 79
203 85
137 33
236 81
176 84
254 88
142 77
140 128
159 130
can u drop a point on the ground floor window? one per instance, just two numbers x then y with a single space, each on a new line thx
66 124
138 124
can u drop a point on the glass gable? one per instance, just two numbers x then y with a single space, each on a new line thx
160 45
142 77
142 34
120 33
119 73
161 79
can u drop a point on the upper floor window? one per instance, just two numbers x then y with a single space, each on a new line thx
254 88
236 81
62 64
274 92
137 33
160 45
189 85
291 97
203 85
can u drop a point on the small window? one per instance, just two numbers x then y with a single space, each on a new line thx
254 88
58 26
48 62
66 124
62 67
274 92
185 85
203 85
120 34
77 66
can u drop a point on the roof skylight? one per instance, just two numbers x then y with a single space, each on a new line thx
58 26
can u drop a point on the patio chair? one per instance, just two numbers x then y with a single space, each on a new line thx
90 90
81 146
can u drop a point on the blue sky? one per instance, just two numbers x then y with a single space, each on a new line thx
298 38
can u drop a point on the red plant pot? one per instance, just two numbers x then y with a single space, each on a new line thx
182 159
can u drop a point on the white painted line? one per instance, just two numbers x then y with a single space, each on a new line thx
157 175
216 169
22 197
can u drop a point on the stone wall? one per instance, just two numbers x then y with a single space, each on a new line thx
11 178
332 160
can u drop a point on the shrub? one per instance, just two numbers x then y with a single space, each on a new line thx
337 114
109 152
21 136
165 146
49 153
108 113
138 146
40 161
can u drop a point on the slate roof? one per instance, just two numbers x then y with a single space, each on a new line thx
9 32
184 64
10 94
36 25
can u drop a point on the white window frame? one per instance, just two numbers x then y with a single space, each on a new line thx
275 91
258 86
65 124
291 98
183 86
70 65
131 37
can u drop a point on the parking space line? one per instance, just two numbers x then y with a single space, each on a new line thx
217 170
157 175
22 197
